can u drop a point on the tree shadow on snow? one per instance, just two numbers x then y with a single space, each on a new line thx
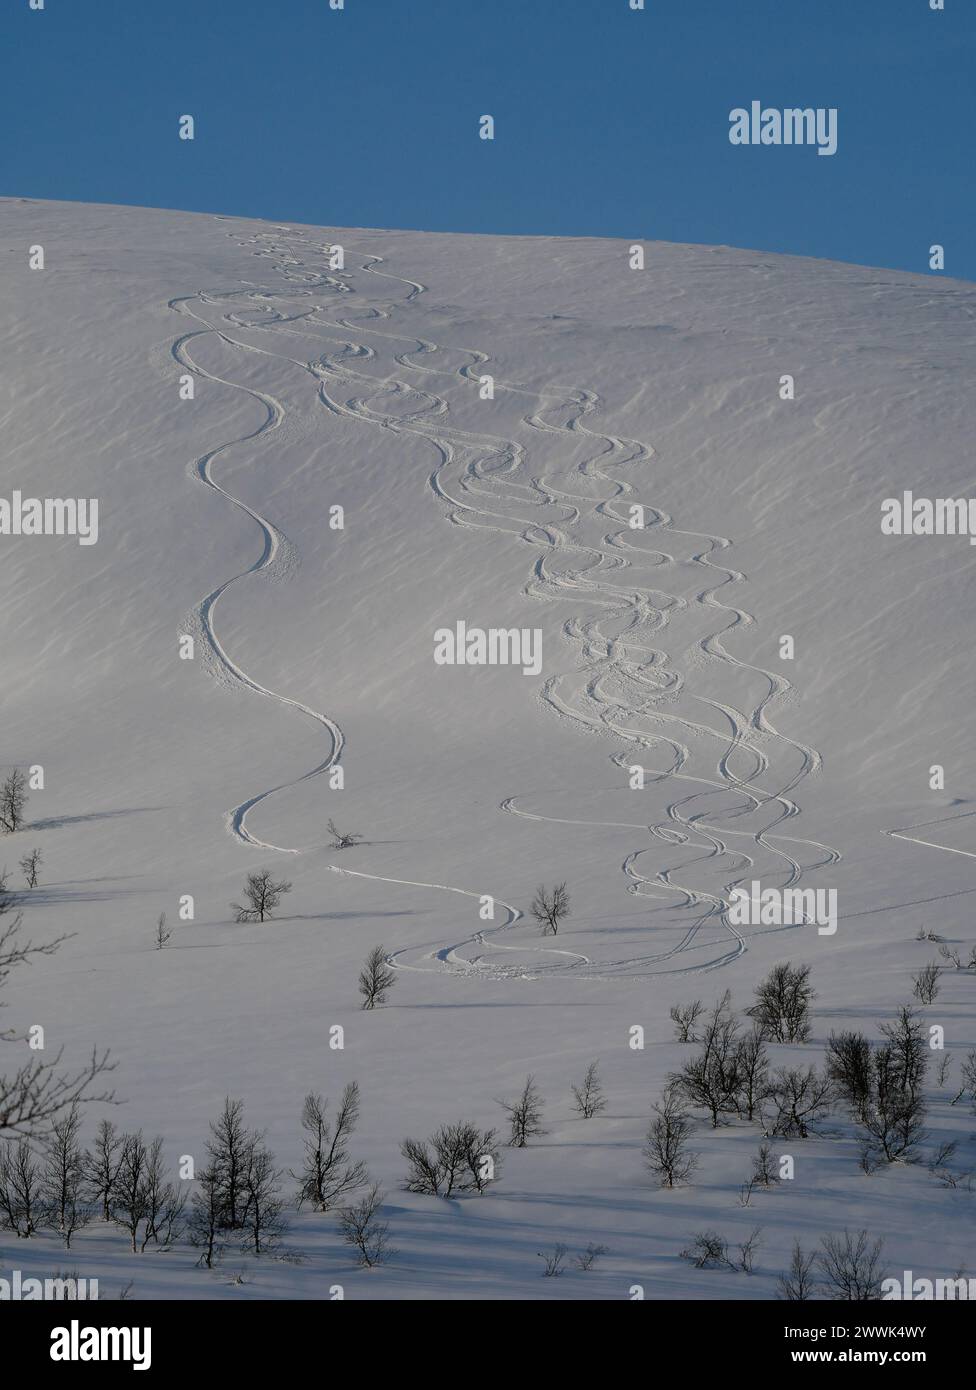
57 822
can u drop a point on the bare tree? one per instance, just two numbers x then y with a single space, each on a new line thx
684 1017
751 1070
587 1258
264 1220
63 1178
799 1096
851 1266
708 1250
33 1097
164 1203
782 1007
909 1052
363 1229
588 1097
456 1158
553 1260
342 839
748 1249
206 1217
764 1172
945 1152
13 802
666 1151
799 1284
129 1197
968 1070
21 1203
328 1175
549 909
712 1079
30 867
376 978
162 935
950 954
893 1122
849 1067
925 985
229 1150
525 1115
945 1062
102 1163
263 895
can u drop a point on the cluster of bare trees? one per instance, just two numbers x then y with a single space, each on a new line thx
846 1268
709 1250
731 1075
925 985
121 1178
554 1260
781 1013
238 1194
456 1158
460 1157
882 1087
329 1177
239 1189
952 957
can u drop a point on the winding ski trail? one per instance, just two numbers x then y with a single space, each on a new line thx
625 687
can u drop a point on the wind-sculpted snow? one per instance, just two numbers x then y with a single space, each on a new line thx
731 770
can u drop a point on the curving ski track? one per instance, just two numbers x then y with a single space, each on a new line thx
624 678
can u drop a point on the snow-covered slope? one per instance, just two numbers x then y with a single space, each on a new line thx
361 388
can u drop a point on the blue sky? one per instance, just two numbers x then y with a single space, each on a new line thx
608 122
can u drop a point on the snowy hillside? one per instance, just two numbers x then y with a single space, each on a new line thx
501 505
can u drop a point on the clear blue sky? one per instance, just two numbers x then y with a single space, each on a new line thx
609 122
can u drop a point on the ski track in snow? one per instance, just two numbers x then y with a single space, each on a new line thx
901 833
474 480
